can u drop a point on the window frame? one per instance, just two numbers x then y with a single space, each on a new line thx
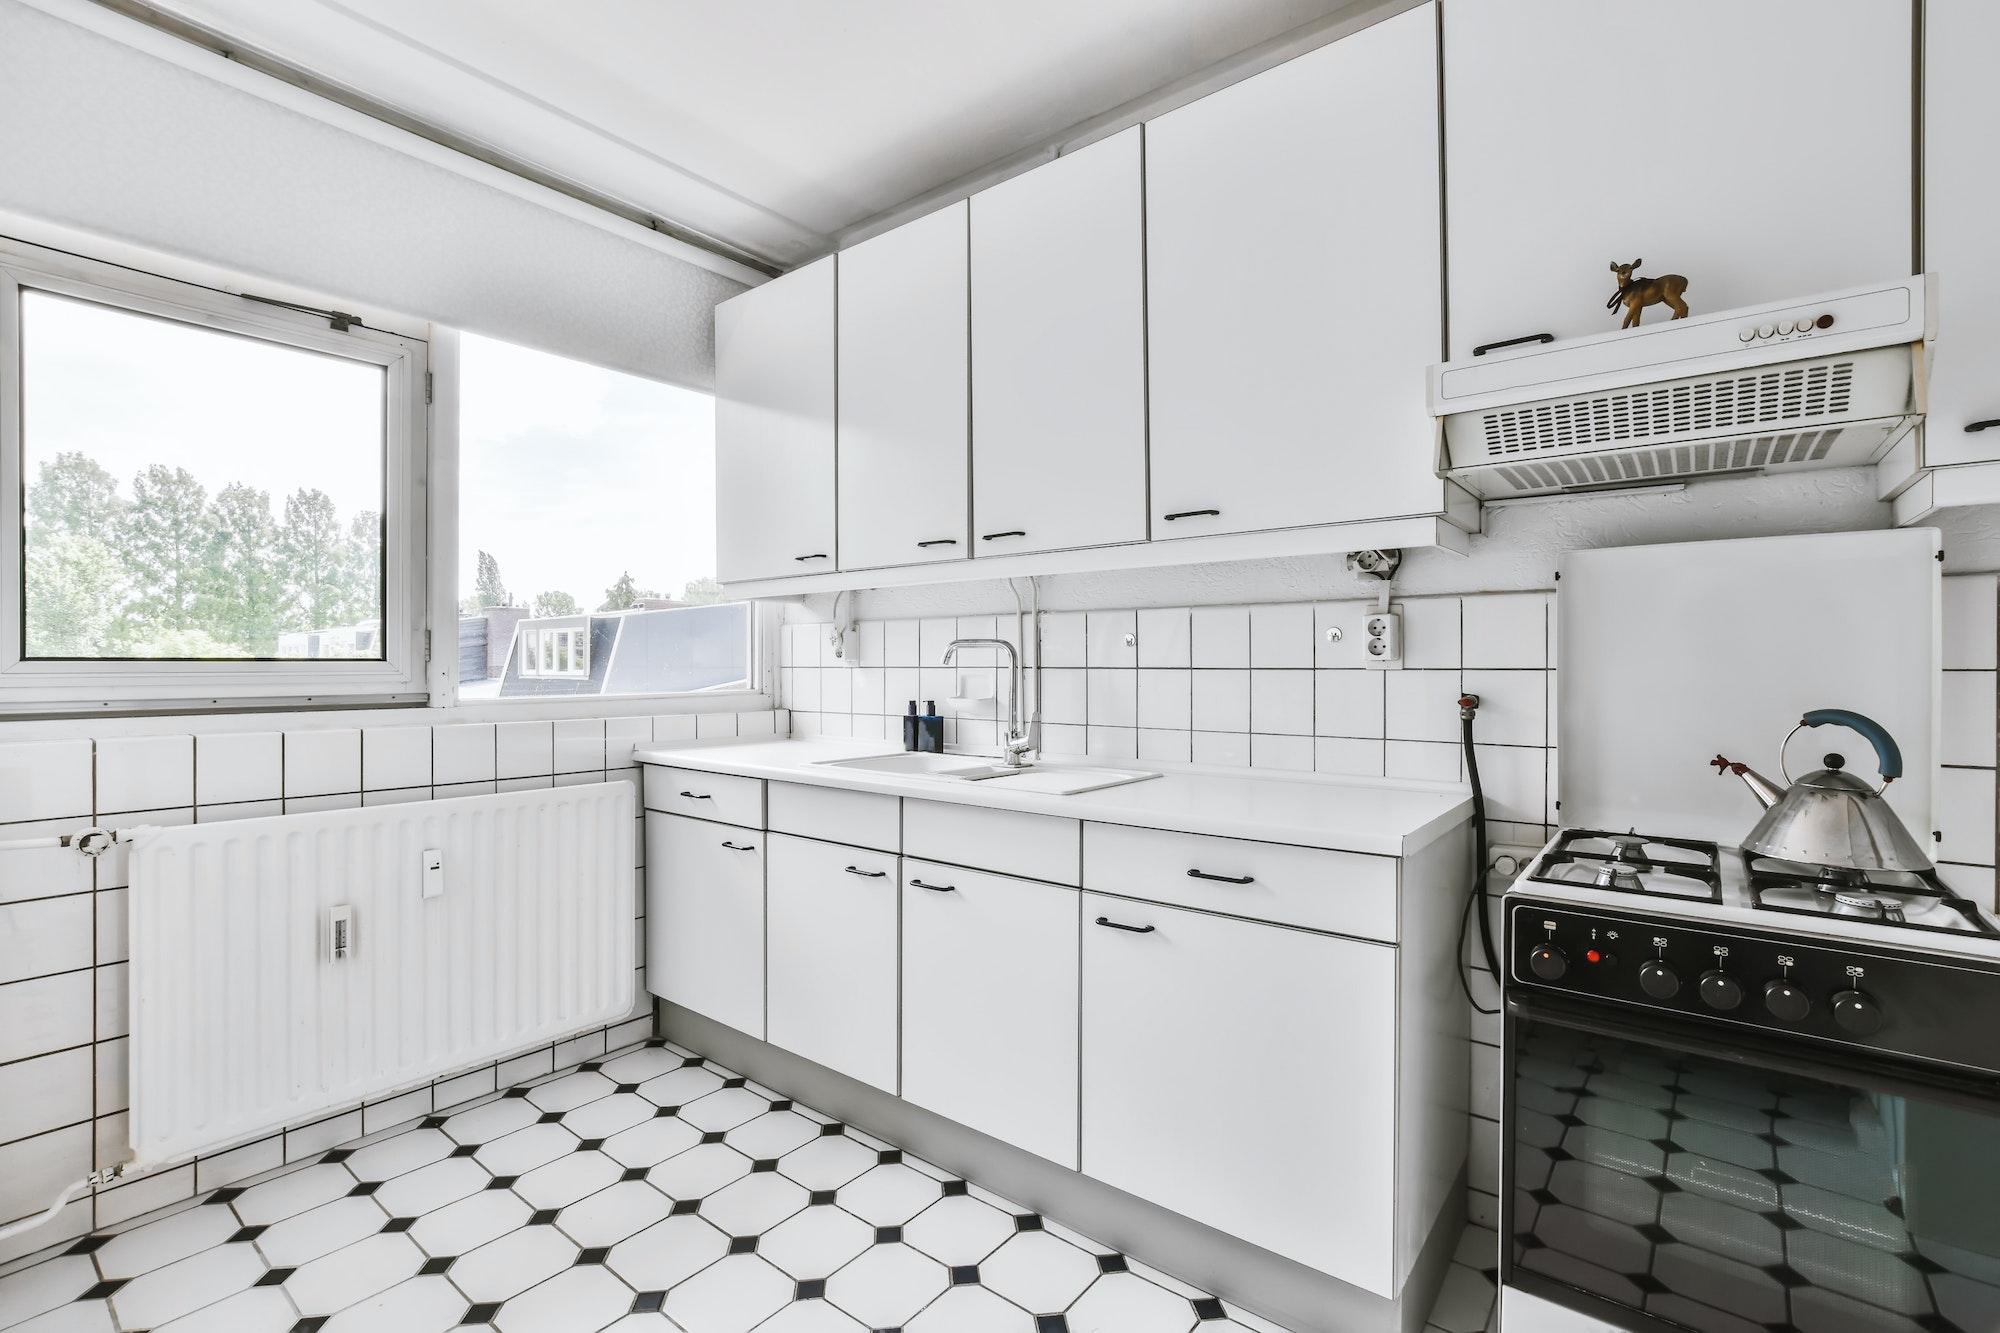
541 642
31 687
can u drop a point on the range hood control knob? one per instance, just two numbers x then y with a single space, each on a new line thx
1721 991
1547 962
1857 1013
1659 980
1786 1002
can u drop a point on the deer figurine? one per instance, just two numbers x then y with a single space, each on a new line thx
1638 293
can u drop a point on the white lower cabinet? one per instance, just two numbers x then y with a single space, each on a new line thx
705 919
989 1005
1244 1075
832 956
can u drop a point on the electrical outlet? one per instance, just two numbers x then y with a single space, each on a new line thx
1385 638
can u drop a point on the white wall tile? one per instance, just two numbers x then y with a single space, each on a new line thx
1429 760
934 635
579 745
33 1170
1166 637
1064 738
113 1012
309 1140
714 726
1964 815
1974 882
1281 704
1106 639
1222 749
1063 639
113 1061
623 735
1113 698
1354 758
1349 702
319 763
251 1159
836 690
1112 743
763 722
1282 635
391 796
1421 705
1505 630
1350 621
43 872
239 766
44 780
395 757
113 944
542 783
527 1065
1513 706
523 749
43 1015
1221 636
1289 753
462 752
899 643
311 805
216 814
1166 699
1967 706
144 773
1165 745
671 727
1970 608
1430 632
1064 692
46 935
449 1092
1514 779
44 1093
866 692
1221 701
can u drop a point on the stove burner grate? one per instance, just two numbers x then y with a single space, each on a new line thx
1631 863
1884 899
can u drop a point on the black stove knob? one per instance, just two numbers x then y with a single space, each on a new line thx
1547 962
1786 1002
1857 1013
1721 991
1659 980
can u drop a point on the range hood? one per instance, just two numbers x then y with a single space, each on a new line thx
1834 381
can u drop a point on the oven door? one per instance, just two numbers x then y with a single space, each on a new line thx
1657 1177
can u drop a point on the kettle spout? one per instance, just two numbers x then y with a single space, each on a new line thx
1767 792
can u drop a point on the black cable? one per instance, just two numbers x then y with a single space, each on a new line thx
1476 897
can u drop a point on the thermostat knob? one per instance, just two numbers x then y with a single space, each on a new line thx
1548 962
1857 1013
1786 1002
1659 980
1719 990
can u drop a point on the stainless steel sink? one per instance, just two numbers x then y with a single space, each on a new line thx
1049 780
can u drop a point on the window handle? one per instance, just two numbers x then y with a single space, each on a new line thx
1119 925
1222 879
935 888
820 556
940 541
697 796
1195 513
1974 427
1484 348
867 874
739 847
996 536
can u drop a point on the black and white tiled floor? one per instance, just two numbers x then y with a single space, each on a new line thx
646 1192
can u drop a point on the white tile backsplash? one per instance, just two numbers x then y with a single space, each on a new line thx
1221 636
45 780
1166 637
395 757
239 766
322 763
1505 630
1221 701
145 773
1282 635
523 749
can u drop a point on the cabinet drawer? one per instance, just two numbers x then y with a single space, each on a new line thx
1343 892
719 796
857 818
1031 846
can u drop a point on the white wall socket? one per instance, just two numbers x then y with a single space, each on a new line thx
1384 646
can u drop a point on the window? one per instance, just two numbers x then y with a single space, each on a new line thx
587 533
212 501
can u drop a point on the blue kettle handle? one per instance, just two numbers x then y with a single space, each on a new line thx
1888 758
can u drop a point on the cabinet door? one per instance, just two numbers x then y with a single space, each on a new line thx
1762 151
904 386
774 427
833 957
1244 1075
1059 354
1292 289
705 919
989 1004
1961 210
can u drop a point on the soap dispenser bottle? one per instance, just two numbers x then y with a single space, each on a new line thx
930 729
911 729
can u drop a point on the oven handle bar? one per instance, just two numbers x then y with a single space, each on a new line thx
1855 1068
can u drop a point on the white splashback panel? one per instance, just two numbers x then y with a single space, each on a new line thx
240 1021
1672 654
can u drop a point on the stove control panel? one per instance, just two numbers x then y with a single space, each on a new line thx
1882 999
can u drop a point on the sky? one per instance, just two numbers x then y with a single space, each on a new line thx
570 474
227 409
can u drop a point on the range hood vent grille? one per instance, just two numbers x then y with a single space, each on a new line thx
1665 463
1758 400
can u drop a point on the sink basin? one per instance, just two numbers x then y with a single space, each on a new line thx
1052 780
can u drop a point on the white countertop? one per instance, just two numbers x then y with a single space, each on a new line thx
1383 816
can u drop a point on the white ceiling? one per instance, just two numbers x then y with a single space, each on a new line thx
773 124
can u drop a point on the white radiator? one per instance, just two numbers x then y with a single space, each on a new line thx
243 1017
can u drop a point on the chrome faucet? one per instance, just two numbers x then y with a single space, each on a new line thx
1018 741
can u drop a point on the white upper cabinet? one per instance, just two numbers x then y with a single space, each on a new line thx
904 389
1059 354
1293 290
1760 150
774 376
1961 216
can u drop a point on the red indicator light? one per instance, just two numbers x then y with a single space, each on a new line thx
1594 956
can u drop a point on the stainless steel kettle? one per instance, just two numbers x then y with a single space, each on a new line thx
1830 817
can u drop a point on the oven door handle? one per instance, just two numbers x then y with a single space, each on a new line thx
1854 1067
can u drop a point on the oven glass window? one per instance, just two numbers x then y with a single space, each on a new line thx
1720 1196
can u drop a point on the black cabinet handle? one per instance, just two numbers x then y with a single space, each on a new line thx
1484 348
996 536
935 888
1195 513
697 796
820 556
1974 427
940 541
739 847
1222 879
867 874
1119 925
